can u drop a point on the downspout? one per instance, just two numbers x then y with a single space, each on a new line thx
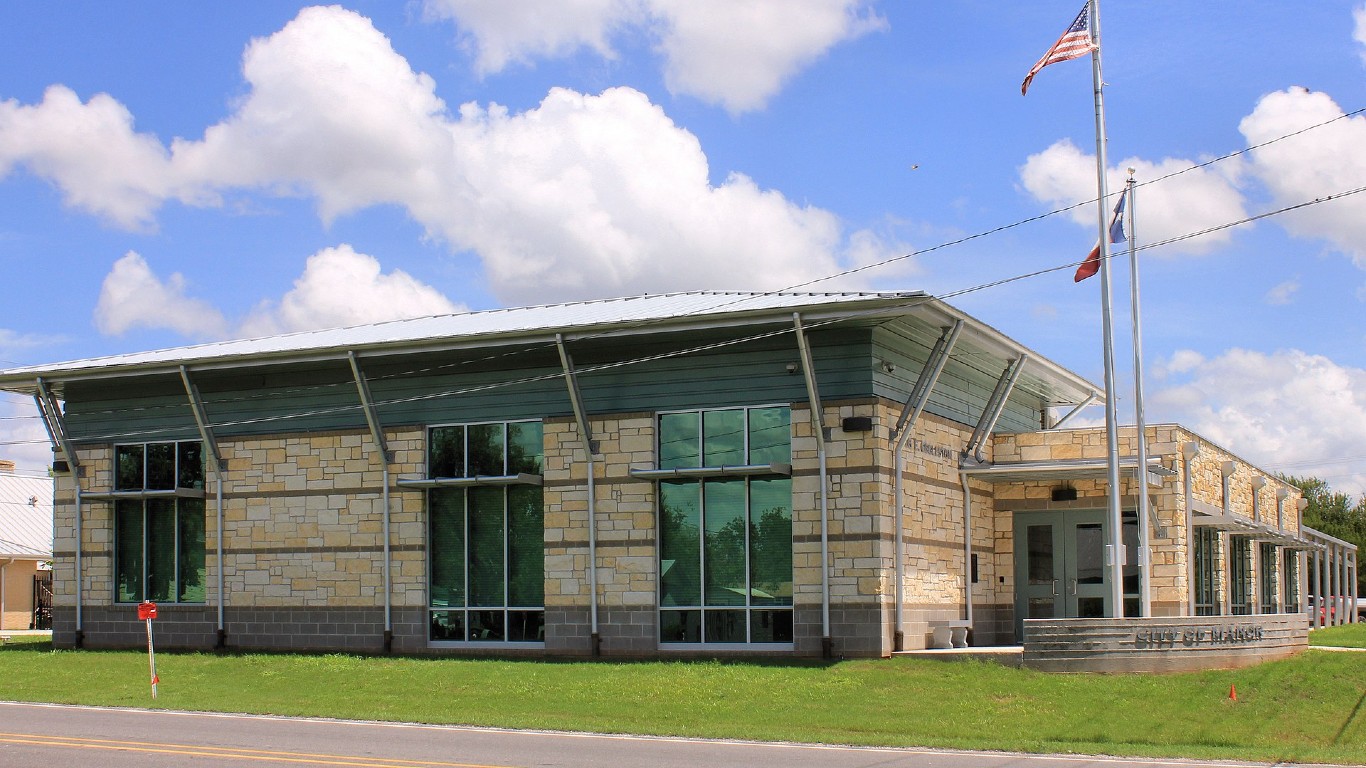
967 549
594 635
818 426
381 446
80 624
920 395
222 635
1188 453
590 447
388 566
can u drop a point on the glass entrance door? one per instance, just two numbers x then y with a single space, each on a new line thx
1060 566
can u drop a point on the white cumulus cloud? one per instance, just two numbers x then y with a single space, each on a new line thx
1064 175
22 437
132 296
1360 15
1285 411
1284 293
1324 161
735 53
340 287
581 196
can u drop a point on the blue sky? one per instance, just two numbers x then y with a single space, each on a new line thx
173 173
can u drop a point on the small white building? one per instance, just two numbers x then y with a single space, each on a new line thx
25 549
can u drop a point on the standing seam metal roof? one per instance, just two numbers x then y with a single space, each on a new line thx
25 516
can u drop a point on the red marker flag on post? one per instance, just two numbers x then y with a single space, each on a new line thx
1091 264
1074 43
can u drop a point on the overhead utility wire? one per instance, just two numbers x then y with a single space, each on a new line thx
301 391
866 267
712 308
911 301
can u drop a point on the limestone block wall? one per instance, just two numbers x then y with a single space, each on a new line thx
303 521
932 534
626 535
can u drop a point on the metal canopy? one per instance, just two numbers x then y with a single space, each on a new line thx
522 478
1066 469
738 470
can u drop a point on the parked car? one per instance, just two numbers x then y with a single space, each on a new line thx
1326 613
1361 609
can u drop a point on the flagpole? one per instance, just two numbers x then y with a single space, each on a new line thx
1115 549
1144 524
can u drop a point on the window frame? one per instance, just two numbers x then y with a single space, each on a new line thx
700 476
1205 585
183 500
1241 600
466 484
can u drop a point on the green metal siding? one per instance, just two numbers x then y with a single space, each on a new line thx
476 385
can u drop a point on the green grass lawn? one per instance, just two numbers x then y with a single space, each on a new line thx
1345 636
1308 709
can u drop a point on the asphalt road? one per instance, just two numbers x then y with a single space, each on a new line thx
40 734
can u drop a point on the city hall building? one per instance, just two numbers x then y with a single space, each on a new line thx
837 474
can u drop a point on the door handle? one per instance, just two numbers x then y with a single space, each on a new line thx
1055 587
1073 588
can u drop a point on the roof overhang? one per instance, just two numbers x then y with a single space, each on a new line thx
1068 469
530 326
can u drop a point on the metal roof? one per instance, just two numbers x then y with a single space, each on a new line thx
25 516
650 313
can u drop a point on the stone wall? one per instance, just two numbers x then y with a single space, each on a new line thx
1163 644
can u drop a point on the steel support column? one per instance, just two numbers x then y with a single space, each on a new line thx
590 447
818 427
901 433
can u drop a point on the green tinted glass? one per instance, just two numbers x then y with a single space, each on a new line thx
770 541
161 554
525 446
770 436
190 563
526 547
128 551
128 468
446 452
486 572
680 543
679 444
161 474
723 438
189 465
446 510
486 450
724 506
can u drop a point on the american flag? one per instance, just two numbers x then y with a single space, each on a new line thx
1074 43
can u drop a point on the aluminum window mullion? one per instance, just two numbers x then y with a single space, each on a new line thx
749 573
701 549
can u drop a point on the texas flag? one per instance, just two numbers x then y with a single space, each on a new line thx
1091 264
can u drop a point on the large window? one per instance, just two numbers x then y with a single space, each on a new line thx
1240 575
725 528
486 533
1206 592
1266 576
158 530
1291 582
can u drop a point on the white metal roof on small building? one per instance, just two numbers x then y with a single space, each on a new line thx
650 313
25 516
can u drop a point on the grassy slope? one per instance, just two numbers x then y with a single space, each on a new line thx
1305 709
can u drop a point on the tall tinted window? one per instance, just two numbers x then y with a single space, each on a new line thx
1203 550
158 539
725 543
1240 575
486 541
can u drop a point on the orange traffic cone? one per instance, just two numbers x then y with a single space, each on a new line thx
1233 693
